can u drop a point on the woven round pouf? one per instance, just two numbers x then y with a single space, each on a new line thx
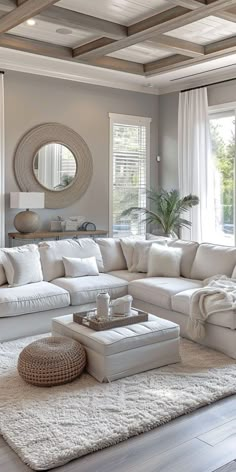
51 361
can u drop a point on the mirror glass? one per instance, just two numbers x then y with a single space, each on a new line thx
54 166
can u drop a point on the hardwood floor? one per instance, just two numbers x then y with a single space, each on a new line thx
203 441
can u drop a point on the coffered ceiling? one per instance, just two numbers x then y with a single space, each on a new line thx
151 43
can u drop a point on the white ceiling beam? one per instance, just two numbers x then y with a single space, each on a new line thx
159 24
22 13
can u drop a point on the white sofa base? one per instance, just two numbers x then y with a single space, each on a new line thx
20 326
217 337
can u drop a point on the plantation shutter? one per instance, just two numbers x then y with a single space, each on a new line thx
130 170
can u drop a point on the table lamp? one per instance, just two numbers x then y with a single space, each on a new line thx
27 221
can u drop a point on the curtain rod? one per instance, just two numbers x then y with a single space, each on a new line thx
207 85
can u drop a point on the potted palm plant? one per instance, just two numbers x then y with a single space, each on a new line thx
166 211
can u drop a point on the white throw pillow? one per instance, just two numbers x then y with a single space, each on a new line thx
22 265
77 267
164 261
141 253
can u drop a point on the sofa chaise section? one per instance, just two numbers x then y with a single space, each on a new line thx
159 290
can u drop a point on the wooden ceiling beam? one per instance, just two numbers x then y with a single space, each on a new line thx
222 48
117 64
191 4
78 21
228 15
91 46
19 15
178 46
35 47
65 53
163 42
165 64
159 24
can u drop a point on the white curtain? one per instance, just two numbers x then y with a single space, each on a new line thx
49 165
194 162
2 163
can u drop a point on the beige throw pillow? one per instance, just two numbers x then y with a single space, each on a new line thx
22 265
164 261
112 254
77 267
127 245
3 277
141 254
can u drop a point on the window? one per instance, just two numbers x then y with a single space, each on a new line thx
222 129
129 172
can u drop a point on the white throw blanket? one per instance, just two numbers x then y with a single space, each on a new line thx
217 295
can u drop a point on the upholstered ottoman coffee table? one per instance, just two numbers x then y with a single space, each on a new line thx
119 352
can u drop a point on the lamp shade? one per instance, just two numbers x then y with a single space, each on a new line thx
27 200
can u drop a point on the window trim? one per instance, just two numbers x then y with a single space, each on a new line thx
126 119
221 109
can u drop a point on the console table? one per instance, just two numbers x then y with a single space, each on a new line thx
26 238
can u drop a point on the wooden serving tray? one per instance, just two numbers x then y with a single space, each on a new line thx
112 322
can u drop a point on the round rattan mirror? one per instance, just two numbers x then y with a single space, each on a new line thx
56 160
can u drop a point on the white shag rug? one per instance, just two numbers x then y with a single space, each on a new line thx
48 427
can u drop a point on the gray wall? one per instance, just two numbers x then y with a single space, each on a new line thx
31 100
168 141
168 129
222 93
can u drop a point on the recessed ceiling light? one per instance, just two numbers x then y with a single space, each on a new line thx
31 22
64 31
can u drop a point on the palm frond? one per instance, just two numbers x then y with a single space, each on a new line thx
166 209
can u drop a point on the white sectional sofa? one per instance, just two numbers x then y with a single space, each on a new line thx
29 309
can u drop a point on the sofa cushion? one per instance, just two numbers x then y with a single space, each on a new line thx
112 254
22 265
181 303
129 276
3 277
84 290
39 296
212 259
189 249
159 290
51 253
